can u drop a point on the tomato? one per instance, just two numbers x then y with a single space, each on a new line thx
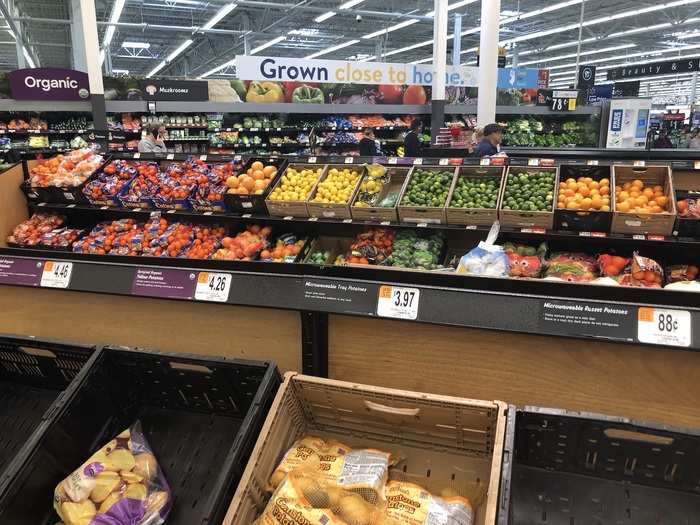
618 262
611 270
415 95
390 94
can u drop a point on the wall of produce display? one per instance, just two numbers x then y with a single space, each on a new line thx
551 132
33 131
627 201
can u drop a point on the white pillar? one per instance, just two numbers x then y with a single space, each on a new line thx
76 32
457 41
91 44
437 103
488 62
694 89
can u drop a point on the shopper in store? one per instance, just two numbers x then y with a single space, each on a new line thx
663 142
694 142
411 142
152 141
368 143
491 143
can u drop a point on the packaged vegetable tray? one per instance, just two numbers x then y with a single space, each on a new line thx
199 415
34 374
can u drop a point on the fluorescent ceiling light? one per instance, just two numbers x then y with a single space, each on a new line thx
573 55
423 61
28 58
456 5
156 69
324 17
121 71
408 48
400 25
271 43
172 56
218 68
137 45
109 34
331 49
102 57
117 9
350 3
220 15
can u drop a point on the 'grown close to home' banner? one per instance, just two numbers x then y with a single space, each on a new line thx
349 72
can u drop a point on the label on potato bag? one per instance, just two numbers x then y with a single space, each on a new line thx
398 302
664 327
56 274
213 287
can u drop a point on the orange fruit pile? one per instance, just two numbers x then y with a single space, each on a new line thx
635 197
252 182
584 194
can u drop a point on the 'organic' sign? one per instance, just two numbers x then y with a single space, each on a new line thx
49 84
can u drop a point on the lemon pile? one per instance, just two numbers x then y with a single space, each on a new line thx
295 185
337 187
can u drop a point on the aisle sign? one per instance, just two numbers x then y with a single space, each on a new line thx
49 83
398 302
660 326
56 274
213 287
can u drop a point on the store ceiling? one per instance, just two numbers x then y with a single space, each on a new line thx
543 33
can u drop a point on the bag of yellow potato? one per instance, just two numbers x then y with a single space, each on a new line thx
121 484
411 504
304 498
364 471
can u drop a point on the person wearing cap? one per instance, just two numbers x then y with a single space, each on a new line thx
411 142
490 144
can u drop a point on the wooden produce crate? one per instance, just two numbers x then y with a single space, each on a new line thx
333 210
427 214
443 442
293 208
474 216
527 219
397 178
584 220
686 185
644 223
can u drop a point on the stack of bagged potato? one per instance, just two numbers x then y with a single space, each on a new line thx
326 481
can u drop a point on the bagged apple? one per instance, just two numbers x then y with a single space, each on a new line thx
121 484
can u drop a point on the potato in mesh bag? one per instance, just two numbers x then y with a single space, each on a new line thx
304 498
411 504
303 453
121 484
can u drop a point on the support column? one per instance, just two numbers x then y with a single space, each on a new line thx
694 89
76 34
91 45
457 41
516 56
488 62
437 104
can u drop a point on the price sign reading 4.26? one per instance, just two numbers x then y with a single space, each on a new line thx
213 287
398 302
664 327
56 274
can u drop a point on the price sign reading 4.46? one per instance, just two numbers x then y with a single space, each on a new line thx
664 327
398 302
213 287
56 274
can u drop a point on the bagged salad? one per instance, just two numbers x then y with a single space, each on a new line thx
121 484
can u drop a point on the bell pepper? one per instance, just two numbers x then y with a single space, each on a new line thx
307 95
267 92
289 88
240 88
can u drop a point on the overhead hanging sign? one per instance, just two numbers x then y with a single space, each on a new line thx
49 83
184 90
349 72
671 67
586 77
518 78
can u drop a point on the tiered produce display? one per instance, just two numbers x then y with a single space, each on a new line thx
517 195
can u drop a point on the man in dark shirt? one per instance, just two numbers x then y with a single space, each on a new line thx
411 143
368 144
493 136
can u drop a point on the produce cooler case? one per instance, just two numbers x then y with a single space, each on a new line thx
567 468
201 416
34 374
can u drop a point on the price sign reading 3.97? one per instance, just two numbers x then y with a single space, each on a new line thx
213 287
398 302
664 327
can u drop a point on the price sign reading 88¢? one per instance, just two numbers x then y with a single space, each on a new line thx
398 302
664 327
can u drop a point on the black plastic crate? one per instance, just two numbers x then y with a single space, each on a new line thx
578 220
57 194
34 374
201 415
571 468
255 203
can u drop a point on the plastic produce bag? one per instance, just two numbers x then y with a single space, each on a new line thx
412 504
121 484
572 267
523 260
487 259
646 272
